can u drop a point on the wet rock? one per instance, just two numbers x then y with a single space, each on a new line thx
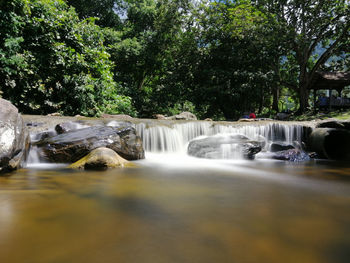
14 137
43 135
292 155
120 124
68 126
330 143
101 159
280 146
224 147
73 145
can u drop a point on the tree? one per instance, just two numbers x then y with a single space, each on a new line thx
51 61
233 72
144 49
305 26
107 11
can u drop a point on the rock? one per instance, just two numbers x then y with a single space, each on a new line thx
55 114
43 135
292 155
334 124
73 145
14 137
68 126
280 146
224 147
101 159
246 120
184 116
330 143
160 117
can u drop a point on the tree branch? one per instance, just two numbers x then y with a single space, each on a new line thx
328 53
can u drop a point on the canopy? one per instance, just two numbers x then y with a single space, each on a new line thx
330 80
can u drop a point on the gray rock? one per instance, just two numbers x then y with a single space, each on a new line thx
69 126
14 137
160 117
184 116
224 147
280 146
73 145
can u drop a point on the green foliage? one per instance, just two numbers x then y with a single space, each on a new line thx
58 64
141 57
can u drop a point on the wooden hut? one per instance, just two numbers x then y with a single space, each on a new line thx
331 81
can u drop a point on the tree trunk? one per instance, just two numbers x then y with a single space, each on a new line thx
303 98
275 97
303 85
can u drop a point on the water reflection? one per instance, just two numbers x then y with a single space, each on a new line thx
232 212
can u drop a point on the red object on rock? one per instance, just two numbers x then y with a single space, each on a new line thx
252 115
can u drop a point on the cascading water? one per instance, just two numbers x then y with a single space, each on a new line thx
173 137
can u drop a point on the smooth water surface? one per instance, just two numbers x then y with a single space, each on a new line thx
198 211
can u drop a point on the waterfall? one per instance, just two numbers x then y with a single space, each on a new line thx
171 137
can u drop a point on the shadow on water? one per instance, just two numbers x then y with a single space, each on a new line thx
200 211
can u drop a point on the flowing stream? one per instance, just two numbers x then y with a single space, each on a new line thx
176 208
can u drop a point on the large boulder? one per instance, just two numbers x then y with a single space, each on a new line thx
224 147
14 137
101 159
71 146
336 124
330 143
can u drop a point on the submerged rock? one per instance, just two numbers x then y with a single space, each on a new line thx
14 137
73 145
292 155
101 159
224 147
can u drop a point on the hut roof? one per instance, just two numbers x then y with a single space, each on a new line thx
330 80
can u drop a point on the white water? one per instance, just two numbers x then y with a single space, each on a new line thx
174 138
167 141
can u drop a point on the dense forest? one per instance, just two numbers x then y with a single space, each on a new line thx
216 59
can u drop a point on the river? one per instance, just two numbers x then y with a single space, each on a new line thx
244 211
174 208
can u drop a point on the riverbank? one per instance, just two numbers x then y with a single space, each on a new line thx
312 116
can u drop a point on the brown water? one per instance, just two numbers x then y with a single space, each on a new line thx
248 212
